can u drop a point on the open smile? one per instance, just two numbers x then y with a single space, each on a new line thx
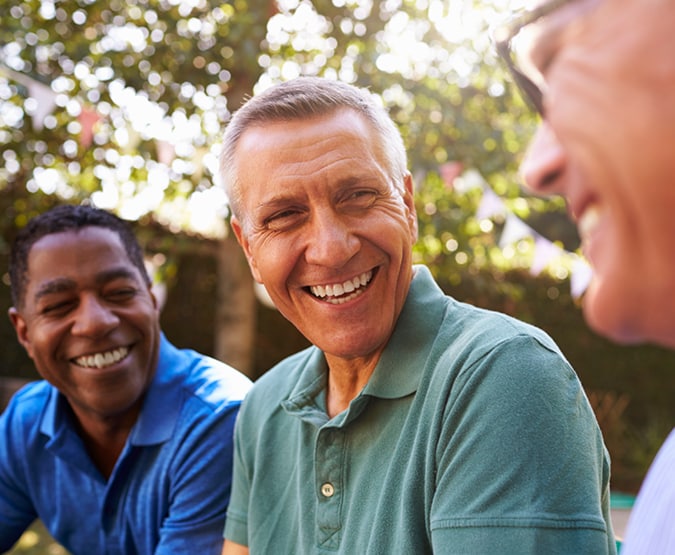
103 359
339 293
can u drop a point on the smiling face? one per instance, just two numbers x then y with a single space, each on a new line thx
607 145
326 230
89 322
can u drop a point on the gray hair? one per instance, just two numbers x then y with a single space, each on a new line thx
307 97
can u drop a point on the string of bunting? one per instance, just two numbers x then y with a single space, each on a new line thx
493 207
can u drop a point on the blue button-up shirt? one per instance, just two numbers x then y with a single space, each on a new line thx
170 488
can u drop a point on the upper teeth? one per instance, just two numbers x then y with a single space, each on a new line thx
99 360
337 289
588 220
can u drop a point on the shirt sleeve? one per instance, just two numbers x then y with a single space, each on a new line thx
236 525
201 484
521 465
16 509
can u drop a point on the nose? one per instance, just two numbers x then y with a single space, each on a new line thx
331 241
543 167
93 318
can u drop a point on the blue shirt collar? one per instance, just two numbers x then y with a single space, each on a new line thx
158 417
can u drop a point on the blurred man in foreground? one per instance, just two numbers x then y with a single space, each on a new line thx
602 75
415 423
126 446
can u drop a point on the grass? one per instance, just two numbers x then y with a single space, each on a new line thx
37 541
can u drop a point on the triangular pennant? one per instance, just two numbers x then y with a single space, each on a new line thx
582 273
514 230
544 252
88 118
45 98
490 205
449 172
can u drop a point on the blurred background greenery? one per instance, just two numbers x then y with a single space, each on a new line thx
120 103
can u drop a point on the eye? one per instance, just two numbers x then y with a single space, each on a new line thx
121 294
283 219
360 198
57 307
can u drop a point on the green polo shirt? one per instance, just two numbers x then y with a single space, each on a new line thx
473 435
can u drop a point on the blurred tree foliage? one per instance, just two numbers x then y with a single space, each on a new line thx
122 102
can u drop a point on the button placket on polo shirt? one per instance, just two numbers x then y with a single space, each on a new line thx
329 472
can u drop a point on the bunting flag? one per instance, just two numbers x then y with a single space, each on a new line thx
88 118
45 98
166 152
582 273
43 95
544 252
514 230
449 172
490 206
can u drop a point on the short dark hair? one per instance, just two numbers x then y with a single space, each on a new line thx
67 217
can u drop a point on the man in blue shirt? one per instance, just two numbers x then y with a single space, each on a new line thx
125 447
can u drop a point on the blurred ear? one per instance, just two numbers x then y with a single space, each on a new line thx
243 241
21 329
409 200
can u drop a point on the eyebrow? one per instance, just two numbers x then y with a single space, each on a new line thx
61 285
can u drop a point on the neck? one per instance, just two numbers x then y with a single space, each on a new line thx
104 438
346 379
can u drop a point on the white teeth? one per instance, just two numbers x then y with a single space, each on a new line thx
339 289
588 221
100 360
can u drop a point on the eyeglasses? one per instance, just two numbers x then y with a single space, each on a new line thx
503 37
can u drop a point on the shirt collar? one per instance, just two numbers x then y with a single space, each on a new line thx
401 365
164 398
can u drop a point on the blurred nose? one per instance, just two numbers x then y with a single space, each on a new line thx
543 167
331 242
93 318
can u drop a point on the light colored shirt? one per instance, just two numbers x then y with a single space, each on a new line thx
651 526
170 488
473 435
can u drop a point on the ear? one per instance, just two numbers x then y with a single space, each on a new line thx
245 245
21 329
409 201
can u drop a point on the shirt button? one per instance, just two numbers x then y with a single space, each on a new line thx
327 489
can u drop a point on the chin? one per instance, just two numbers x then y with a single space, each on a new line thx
610 321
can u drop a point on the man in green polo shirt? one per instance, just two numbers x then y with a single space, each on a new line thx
415 423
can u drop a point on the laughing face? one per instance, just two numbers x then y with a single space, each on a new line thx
89 322
606 145
326 230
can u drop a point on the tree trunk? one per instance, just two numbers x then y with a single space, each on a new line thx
236 310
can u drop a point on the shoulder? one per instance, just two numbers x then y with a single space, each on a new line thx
280 382
22 420
482 332
202 378
213 380
28 402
